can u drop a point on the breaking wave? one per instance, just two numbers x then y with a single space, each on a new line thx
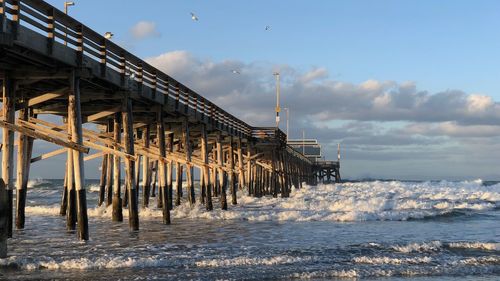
361 201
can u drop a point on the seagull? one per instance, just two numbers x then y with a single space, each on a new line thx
268 27
194 17
235 71
108 35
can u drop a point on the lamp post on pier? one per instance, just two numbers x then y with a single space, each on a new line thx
66 5
277 75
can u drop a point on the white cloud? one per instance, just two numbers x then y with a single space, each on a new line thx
393 123
144 29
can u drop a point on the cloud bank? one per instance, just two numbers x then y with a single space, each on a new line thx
376 121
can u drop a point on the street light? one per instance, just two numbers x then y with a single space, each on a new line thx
287 121
66 5
277 75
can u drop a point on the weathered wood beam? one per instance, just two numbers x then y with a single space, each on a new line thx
48 155
101 114
94 156
27 130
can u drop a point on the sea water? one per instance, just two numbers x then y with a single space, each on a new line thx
382 230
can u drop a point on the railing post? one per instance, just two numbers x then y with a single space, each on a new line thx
79 47
3 17
51 31
154 85
139 77
188 100
123 69
177 96
16 10
103 54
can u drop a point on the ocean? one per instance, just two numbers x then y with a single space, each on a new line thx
372 230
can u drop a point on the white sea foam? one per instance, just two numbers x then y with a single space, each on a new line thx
493 260
418 247
84 263
36 182
362 201
244 261
389 260
476 245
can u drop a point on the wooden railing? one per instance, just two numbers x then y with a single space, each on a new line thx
269 133
60 28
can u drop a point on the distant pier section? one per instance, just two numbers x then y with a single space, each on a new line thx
324 171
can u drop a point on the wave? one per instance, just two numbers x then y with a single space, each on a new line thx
360 201
37 182
434 246
84 263
244 261
391 260
475 245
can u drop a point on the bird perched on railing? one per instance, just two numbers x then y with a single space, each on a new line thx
108 35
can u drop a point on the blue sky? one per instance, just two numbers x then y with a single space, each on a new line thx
438 44
410 88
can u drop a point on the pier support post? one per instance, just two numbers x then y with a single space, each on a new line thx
3 219
109 169
222 181
162 173
146 171
169 187
241 174
76 136
232 178
117 201
178 183
64 196
128 135
70 186
102 181
21 158
9 88
189 167
206 177
249 170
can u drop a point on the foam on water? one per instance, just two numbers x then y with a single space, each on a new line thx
83 263
361 201
390 260
37 182
244 261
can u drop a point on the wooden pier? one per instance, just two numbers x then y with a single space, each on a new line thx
51 64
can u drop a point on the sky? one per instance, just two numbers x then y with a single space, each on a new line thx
409 88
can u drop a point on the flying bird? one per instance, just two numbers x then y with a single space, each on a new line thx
194 17
235 71
268 27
